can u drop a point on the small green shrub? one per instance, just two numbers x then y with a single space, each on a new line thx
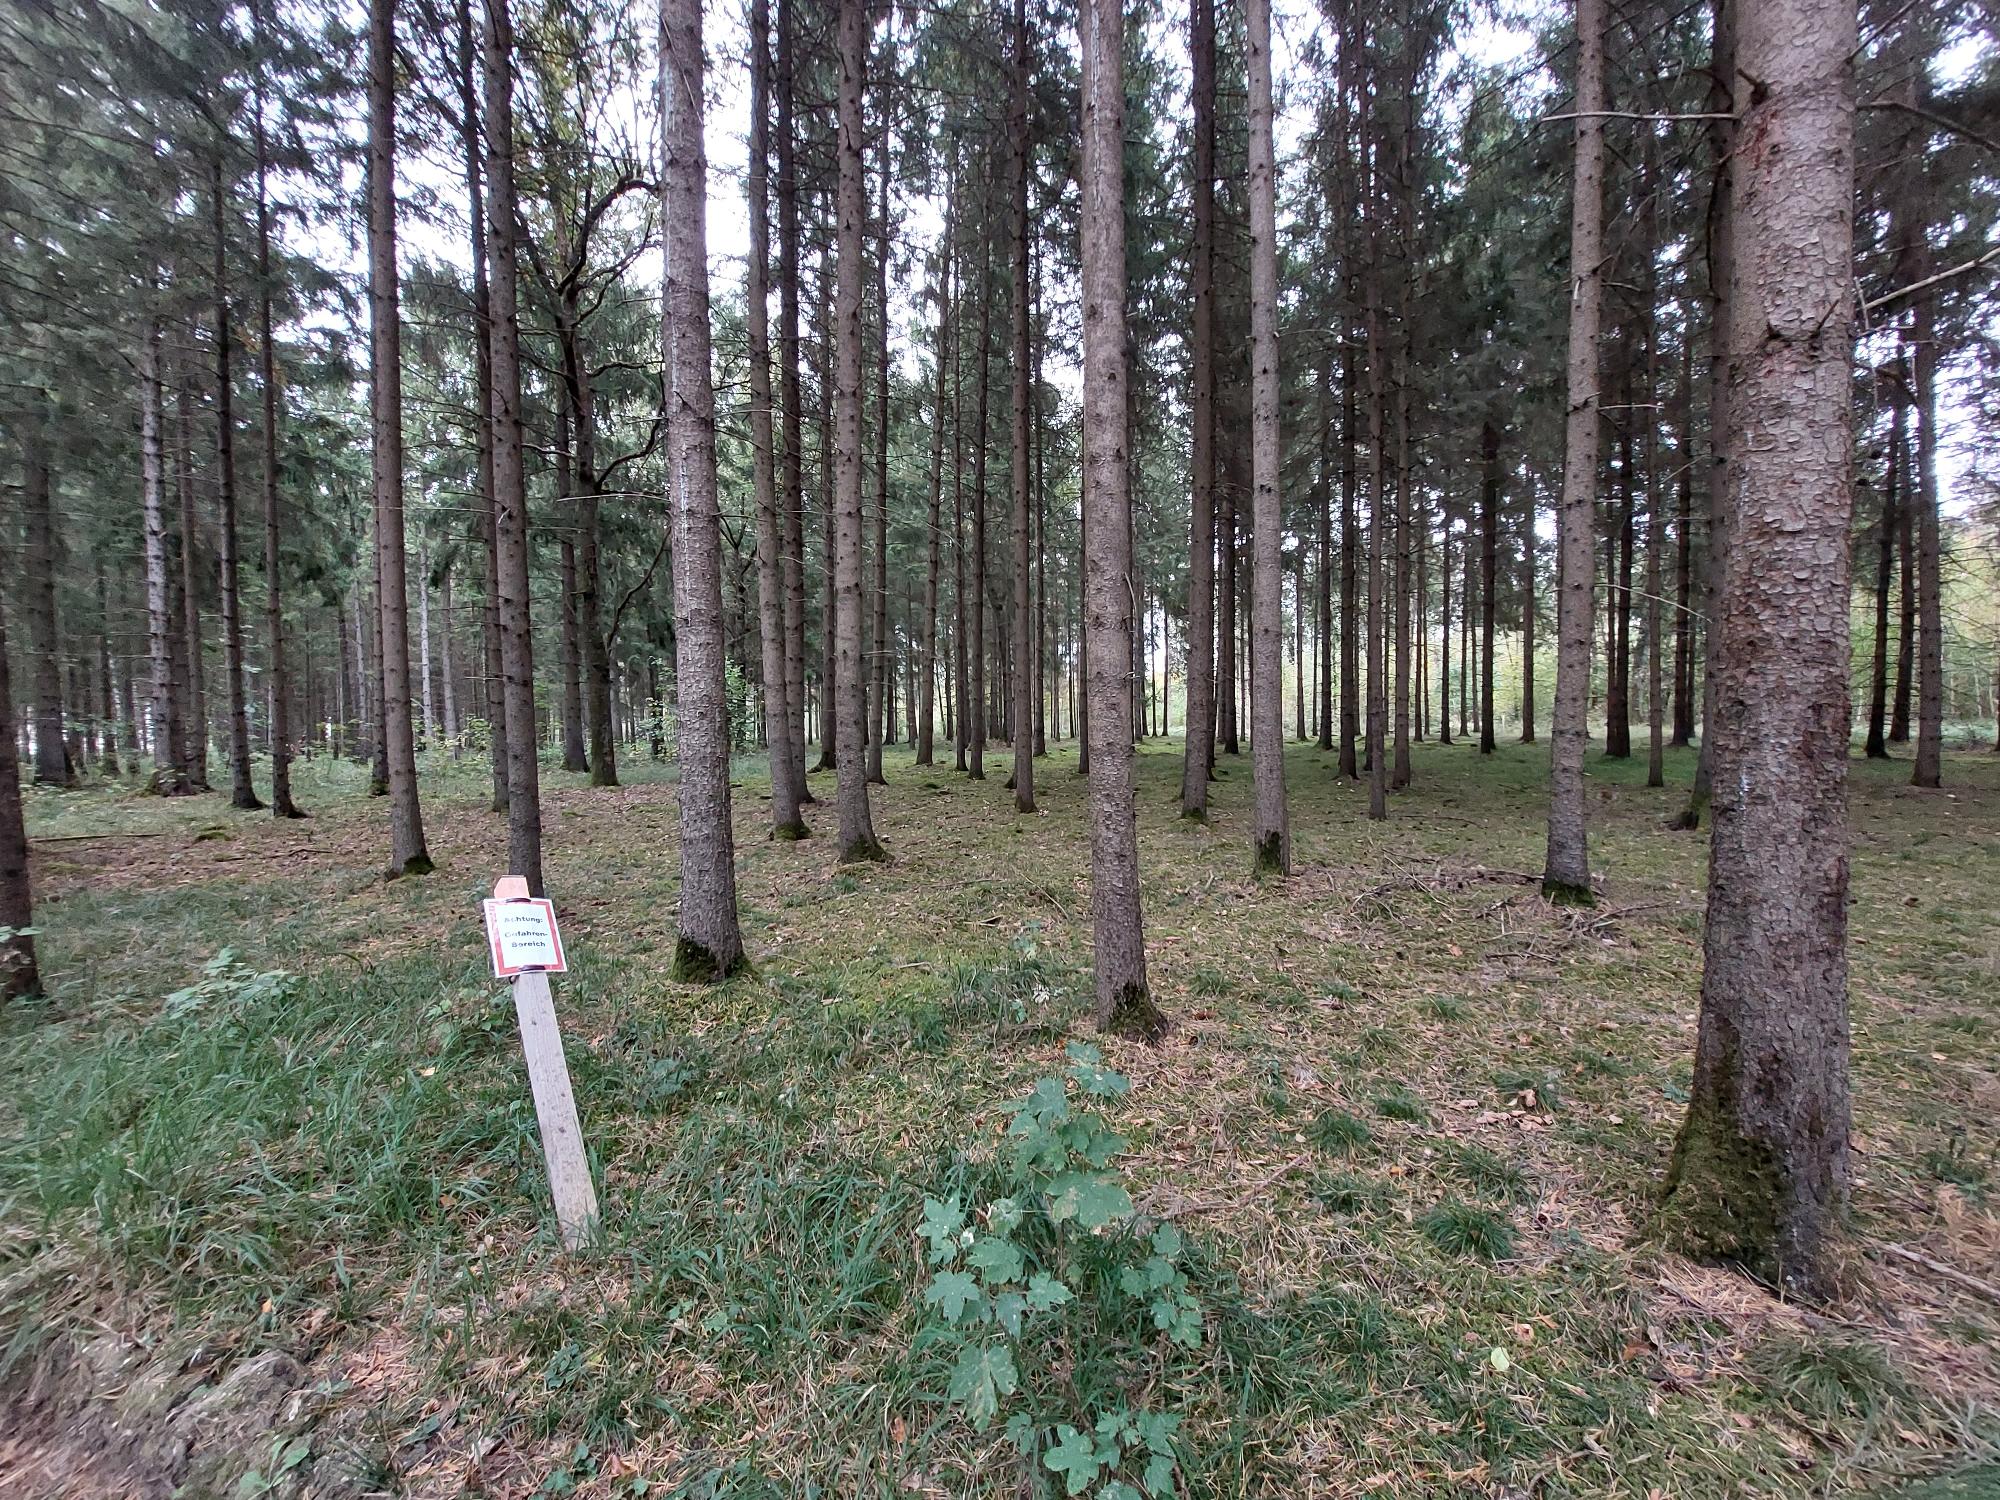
1400 1104
1023 1258
1827 1381
1459 1228
1335 1130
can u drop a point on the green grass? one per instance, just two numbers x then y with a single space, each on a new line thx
325 1143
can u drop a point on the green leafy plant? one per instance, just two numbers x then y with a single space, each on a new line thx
228 982
1001 1266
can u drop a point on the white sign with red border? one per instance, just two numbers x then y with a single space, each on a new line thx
523 938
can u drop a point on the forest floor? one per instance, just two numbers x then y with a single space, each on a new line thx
271 1196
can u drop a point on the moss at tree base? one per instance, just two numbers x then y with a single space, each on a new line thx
1134 1014
696 963
1567 893
1691 815
864 851
1270 856
792 832
416 864
1721 1197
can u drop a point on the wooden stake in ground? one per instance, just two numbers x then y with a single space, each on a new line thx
570 1187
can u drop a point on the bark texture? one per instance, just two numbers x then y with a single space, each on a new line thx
1566 871
1271 833
1124 1002
850 689
18 974
1759 1174
710 944
1199 753
407 852
510 498
779 709
1022 624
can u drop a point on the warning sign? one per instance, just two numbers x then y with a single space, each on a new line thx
523 938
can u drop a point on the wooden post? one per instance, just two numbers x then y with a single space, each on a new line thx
555 1105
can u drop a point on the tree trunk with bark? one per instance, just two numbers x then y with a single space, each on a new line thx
850 693
1722 132
1489 576
170 776
791 515
1271 833
282 804
19 976
709 945
779 709
1023 623
926 701
407 852
1929 768
1199 752
510 497
242 792
492 696
1759 1175
881 650
1566 872
1124 1001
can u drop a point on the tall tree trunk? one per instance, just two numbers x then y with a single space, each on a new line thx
975 655
1124 1001
169 769
1378 521
710 944
1023 622
18 973
194 700
934 534
1323 566
791 515
1722 130
52 765
962 718
1271 832
1566 873
407 852
282 805
492 696
1906 572
510 497
106 693
448 663
1528 612
575 757
881 644
1489 576
1227 491
857 832
242 793
1199 753
1350 575
1444 657
1929 769
1885 562
1656 765
599 722
1760 1173
1683 712
780 711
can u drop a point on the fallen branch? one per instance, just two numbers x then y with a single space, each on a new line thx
1971 1283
